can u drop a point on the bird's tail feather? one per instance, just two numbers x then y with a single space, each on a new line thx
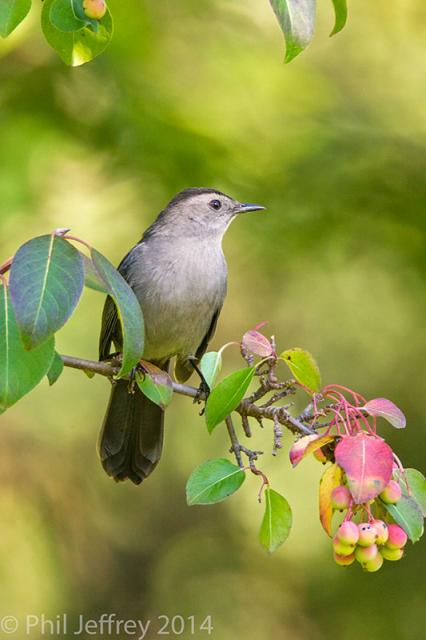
131 438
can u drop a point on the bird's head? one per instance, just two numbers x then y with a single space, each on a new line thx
202 212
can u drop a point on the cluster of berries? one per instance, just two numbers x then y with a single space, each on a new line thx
367 542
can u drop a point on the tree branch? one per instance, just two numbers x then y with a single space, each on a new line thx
246 409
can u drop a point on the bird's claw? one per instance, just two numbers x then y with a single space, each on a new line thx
203 393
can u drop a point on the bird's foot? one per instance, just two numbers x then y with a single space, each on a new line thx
203 393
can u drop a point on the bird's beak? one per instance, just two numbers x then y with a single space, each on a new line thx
246 208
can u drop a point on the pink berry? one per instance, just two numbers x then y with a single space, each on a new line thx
367 534
95 9
343 561
381 530
391 554
366 554
391 493
374 565
340 498
348 533
397 537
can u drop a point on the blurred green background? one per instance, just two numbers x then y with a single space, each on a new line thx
194 93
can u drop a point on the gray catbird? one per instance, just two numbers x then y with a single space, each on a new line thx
178 273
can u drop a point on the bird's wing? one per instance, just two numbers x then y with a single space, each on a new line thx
110 328
209 335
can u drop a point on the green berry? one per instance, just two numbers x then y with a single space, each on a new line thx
367 534
391 554
343 561
381 530
342 549
391 493
374 565
340 498
366 554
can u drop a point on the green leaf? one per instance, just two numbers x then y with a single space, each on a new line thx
46 281
210 366
303 366
341 15
92 279
56 368
128 309
297 21
407 513
77 47
213 481
156 384
227 395
417 484
62 16
277 521
20 370
12 12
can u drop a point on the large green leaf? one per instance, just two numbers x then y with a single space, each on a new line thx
297 21
12 12
227 395
128 309
213 481
277 521
46 281
341 15
20 370
303 366
77 47
407 513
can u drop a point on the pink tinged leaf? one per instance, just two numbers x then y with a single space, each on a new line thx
307 445
368 462
383 408
331 478
256 343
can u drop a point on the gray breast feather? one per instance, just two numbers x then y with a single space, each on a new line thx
180 287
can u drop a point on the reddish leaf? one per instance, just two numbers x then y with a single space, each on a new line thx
383 408
331 478
307 445
367 461
256 343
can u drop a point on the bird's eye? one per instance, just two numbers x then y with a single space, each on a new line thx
215 204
